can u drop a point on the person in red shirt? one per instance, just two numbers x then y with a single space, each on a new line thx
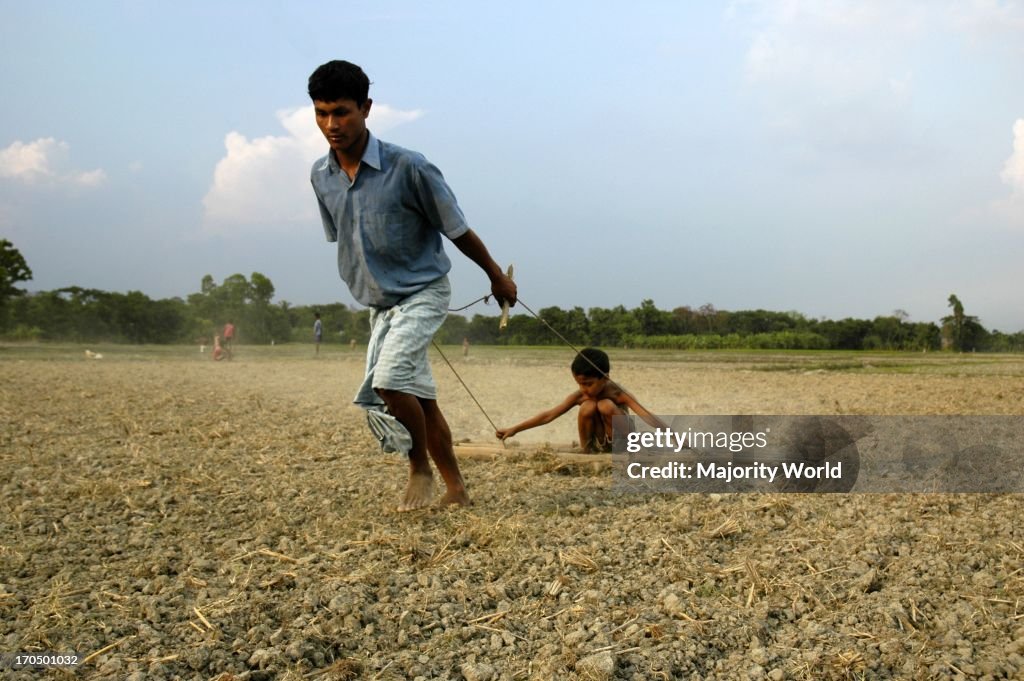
228 338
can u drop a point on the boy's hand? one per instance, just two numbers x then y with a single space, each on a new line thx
504 433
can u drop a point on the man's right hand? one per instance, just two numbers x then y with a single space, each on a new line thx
504 290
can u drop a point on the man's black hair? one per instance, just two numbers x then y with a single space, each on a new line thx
339 80
591 362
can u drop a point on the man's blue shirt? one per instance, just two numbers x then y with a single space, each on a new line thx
388 222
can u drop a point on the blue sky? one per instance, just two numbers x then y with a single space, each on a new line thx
833 158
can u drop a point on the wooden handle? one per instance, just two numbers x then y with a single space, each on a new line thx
504 307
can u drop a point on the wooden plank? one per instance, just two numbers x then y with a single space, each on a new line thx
475 450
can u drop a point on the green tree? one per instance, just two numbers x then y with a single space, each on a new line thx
571 325
611 328
483 330
52 313
749 322
340 323
13 269
956 322
711 316
686 321
844 334
523 329
261 289
653 322
260 317
889 333
454 329
924 336
244 302
962 332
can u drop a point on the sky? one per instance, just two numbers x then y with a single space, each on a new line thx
838 159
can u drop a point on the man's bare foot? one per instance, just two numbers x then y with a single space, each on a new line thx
455 497
419 492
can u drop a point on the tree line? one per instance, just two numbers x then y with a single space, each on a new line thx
707 328
90 315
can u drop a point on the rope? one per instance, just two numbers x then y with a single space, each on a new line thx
470 392
485 299
561 337
550 328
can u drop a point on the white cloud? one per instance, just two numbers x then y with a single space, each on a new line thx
833 46
990 22
843 79
45 160
92 178
1013 171
29 161
834 78
840 45
1012 207
264 182
383 117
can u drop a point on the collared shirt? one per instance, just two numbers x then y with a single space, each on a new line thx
388 221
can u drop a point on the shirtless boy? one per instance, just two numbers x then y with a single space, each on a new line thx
599 399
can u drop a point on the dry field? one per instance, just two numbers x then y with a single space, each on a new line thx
168 517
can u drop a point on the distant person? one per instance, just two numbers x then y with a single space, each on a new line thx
465 347
318 332
599 398
218 350
389 210
228 341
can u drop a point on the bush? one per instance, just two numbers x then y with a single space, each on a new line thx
24 332
779 340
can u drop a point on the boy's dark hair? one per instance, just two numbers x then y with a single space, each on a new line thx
591 362
339 80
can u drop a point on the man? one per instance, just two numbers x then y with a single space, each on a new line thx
387 208
318 332
229 339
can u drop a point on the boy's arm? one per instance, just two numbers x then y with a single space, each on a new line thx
649 418
540 419
502 286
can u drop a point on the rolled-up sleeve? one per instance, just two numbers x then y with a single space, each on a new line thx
437 200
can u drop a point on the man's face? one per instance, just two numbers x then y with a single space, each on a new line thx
343 123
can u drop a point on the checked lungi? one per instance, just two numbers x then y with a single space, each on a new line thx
396 358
